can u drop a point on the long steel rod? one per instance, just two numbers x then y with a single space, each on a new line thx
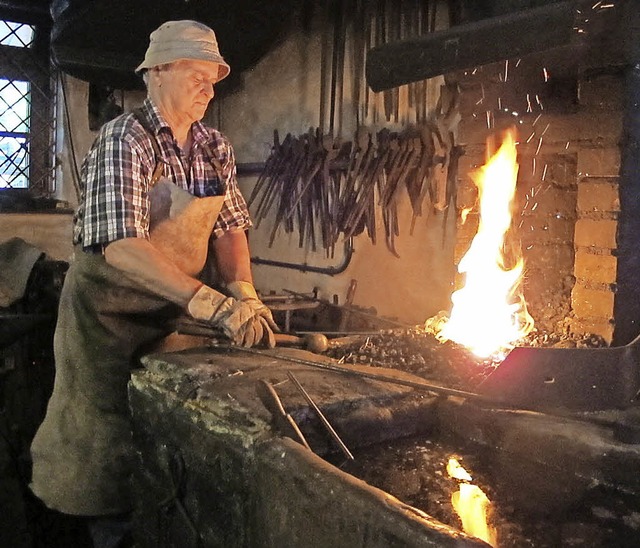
419 385
321 416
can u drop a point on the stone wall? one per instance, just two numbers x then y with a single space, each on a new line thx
49 232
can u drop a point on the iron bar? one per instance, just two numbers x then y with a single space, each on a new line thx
321 416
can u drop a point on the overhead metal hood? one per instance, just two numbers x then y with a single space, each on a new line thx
102 41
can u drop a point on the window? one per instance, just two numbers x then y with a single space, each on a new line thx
14 133
26 109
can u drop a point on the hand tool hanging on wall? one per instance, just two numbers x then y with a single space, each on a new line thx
324 203
324 189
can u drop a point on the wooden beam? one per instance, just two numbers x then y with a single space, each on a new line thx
466 46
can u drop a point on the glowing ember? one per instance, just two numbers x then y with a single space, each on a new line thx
489 312
472 505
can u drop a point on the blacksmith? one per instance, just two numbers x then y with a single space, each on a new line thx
157 167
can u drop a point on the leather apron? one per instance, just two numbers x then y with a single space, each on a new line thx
82 453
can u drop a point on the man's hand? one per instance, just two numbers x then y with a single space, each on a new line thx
237 319
244 291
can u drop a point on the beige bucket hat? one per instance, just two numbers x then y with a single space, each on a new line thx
186 39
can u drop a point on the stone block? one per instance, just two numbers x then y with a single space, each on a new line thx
598 197
215 471
595 268
546 257
549 201
605 92
327 507
587 326
592 303
597 127
561 169
538 230
596 233
212 471
599 162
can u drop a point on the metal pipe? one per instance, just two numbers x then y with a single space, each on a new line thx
304 267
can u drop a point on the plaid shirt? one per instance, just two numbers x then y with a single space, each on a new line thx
117 171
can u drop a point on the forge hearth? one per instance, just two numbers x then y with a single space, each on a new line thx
215 473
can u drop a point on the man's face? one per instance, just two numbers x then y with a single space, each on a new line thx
187 87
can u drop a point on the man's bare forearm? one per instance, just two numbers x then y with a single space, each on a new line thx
232 257
140 261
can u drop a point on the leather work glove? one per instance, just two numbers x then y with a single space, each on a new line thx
237 319
244 291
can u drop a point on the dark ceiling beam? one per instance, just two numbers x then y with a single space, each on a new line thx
41 8
470 45
35 12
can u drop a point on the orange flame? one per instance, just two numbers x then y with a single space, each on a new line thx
489 312
472 505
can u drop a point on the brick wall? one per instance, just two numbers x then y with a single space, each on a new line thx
567 204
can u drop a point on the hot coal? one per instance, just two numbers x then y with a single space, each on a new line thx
416 350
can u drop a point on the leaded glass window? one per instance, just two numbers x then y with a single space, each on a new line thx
27 123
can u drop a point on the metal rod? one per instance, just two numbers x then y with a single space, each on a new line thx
419 385
321 416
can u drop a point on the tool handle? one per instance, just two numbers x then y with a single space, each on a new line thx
285 339
269 397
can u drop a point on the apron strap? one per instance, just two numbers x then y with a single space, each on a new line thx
158 170
216 165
